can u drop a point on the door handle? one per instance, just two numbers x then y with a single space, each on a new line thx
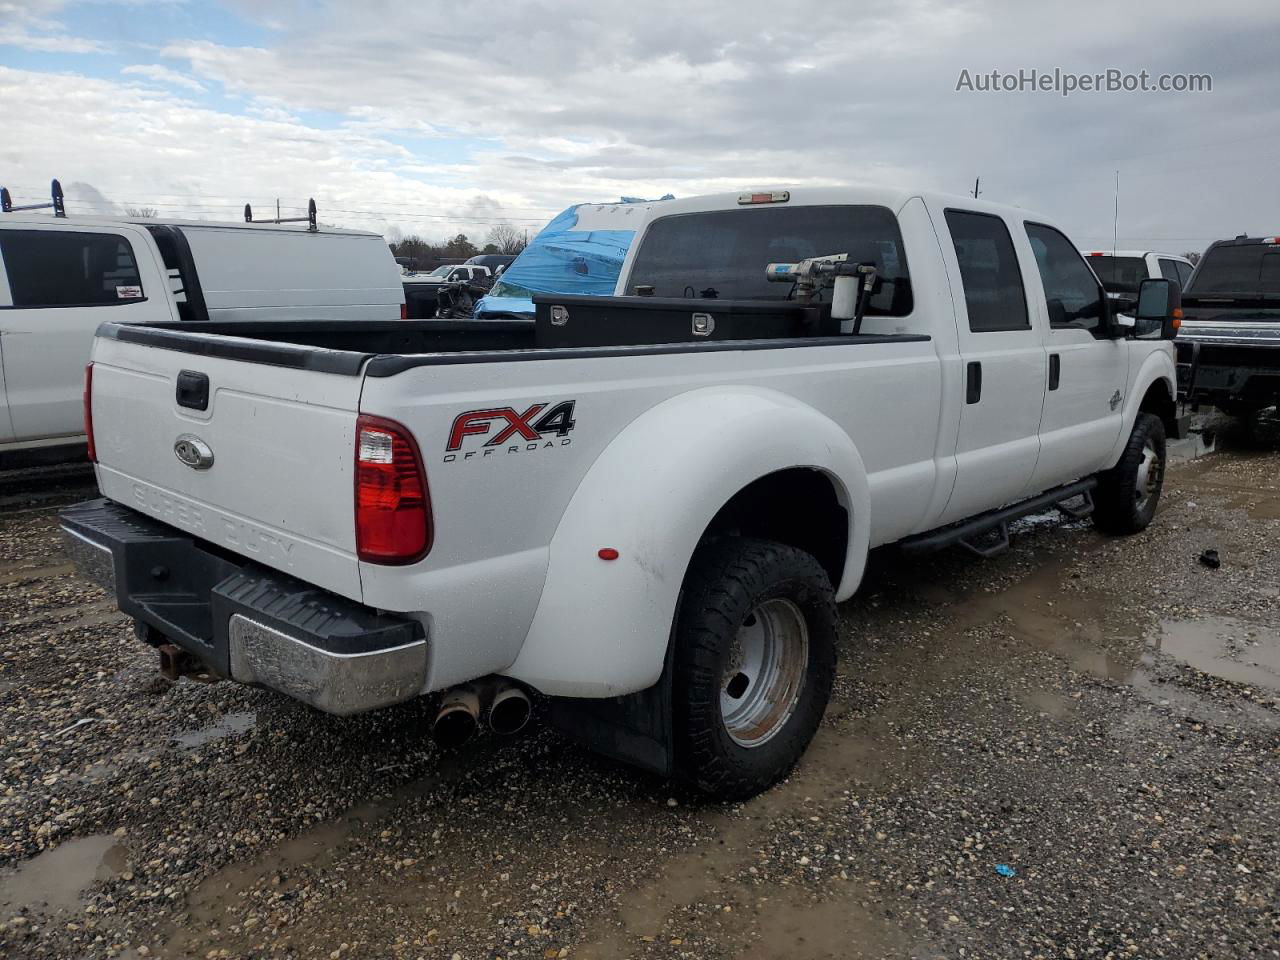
973 382
1055 370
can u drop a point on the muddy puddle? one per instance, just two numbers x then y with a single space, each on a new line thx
230 725
1192 447
56 879
1226 648
216 900
837 929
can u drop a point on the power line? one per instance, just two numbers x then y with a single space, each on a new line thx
396 214
237 200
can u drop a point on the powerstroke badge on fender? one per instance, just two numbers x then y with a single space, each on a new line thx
509 431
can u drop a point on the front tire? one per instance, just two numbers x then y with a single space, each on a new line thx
754 663
1127 495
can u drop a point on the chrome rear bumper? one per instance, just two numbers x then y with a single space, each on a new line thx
246 622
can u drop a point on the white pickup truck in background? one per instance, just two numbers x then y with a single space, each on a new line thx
1122 271
62 276
642 507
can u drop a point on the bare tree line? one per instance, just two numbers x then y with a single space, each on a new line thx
426 254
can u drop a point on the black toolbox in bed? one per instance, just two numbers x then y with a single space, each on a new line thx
581 321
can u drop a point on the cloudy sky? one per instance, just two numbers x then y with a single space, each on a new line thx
432 117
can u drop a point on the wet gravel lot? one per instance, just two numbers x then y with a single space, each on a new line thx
1072 750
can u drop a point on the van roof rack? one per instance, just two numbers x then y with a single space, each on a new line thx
310 218
57 201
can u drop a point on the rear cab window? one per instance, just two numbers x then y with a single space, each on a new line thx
69 268
1119 274
1169 269
722 254
1240 269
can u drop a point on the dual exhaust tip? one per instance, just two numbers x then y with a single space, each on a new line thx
509 709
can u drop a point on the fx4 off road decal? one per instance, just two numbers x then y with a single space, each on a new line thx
508 431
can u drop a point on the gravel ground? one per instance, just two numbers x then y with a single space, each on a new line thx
1071 750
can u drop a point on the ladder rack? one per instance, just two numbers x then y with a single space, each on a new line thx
57 202
309 219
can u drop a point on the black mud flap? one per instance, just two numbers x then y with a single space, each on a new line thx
635 729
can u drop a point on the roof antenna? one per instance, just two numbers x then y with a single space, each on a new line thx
976 191
1115 224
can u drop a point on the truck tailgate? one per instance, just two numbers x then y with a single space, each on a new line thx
280 486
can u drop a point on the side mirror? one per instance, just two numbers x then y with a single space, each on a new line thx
1159 308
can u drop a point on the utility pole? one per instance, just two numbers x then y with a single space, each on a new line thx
976 191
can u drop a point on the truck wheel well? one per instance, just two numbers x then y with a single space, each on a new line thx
1159 401
798 507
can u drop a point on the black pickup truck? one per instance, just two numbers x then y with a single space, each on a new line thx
1229 342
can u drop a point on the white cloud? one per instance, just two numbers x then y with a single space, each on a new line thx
31 25
539 105
163 76
50 42
146 147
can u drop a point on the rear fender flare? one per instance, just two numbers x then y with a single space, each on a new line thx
602 627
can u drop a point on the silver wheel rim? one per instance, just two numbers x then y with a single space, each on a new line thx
1150 475
764 672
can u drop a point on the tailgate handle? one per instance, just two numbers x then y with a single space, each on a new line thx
193 390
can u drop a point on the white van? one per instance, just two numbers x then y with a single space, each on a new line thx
62 276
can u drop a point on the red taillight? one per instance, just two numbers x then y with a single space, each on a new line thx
404 311
88 411
393 505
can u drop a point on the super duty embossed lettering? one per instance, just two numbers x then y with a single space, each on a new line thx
253 541
171 510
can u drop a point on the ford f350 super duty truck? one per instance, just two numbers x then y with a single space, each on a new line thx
642 508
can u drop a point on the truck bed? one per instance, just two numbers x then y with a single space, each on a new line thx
602 326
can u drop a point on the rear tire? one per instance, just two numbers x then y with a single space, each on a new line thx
1127 495
754 663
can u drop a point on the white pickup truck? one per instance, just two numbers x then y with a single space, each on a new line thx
61 276
643 508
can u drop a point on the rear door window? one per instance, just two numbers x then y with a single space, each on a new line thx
64 268
993 292
1184 272
1169 270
